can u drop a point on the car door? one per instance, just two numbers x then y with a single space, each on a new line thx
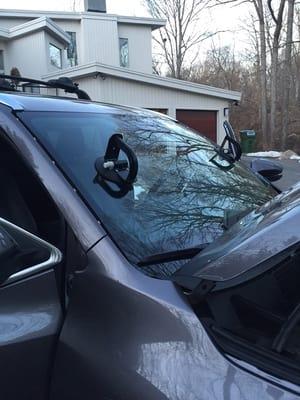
30 313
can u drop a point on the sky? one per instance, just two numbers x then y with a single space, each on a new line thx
226 19
125 7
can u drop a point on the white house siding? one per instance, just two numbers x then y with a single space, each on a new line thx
99 40
99 64
121 91
7 23
27 53
3 47
140 48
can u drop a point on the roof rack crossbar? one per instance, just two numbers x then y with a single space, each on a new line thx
61 83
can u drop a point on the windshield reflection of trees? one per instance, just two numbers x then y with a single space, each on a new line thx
182 197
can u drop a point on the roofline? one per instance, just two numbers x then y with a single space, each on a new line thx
4 33
95 68
154 23
123 19
35 25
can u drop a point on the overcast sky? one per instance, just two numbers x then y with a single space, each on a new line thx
126 7
221 18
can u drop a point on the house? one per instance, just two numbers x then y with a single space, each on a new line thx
110 57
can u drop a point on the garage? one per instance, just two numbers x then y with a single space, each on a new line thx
201 107
204 122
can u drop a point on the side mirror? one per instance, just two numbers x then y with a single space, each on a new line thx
270 170
23 254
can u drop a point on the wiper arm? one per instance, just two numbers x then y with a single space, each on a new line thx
177 255
231 217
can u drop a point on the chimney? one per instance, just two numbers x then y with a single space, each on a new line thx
95 5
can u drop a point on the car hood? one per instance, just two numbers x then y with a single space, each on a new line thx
251 246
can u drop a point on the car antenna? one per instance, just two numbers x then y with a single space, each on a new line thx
61 83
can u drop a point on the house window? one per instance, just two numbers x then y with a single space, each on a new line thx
1 60
55 56
72 59
124 52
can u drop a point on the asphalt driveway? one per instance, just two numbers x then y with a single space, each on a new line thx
291 172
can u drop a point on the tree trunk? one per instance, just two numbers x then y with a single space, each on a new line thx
274 67
273 99
297 62
263 72
287 73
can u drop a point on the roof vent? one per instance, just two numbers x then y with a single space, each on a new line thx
95 5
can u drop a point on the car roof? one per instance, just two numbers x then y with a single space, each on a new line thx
29 102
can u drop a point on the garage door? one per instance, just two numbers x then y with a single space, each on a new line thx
204 122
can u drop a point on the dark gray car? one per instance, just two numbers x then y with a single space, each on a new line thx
140 262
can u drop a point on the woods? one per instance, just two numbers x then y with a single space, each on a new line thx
267 71
179 40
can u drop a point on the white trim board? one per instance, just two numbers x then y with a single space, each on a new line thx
154 23
36 25
92 69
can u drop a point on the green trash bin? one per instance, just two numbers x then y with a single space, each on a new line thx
248 140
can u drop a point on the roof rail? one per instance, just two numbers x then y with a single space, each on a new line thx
61 83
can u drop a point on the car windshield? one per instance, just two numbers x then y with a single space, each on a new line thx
180 198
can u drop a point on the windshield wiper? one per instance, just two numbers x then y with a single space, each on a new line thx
231 153
176 255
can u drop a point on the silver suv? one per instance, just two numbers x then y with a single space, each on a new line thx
140 261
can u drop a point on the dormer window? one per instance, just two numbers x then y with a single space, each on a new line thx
124 52
55 56
72 58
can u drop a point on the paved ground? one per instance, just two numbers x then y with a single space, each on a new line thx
291 172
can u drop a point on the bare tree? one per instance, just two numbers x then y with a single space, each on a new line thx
220 68
278 20
15 72
261 56
181 35
287 72
297 60
270 102
225 68
260 11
